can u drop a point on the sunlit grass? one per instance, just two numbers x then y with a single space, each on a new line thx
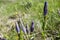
29 10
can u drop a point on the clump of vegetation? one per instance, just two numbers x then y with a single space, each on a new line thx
16 19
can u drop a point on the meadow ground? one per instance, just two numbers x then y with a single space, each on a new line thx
28 10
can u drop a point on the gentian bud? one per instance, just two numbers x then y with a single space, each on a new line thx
45 8
24 29
45 12
32 27
22 26
17 28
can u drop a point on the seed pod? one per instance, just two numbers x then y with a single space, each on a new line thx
32 27
17 28
45 8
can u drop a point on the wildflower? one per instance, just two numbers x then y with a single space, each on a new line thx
17 28
32 27
45 8
45 12
23 28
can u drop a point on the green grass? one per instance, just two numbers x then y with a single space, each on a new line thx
30 10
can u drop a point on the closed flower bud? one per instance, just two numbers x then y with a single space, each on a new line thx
32 27
45 8
17 28
23 28
45 12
